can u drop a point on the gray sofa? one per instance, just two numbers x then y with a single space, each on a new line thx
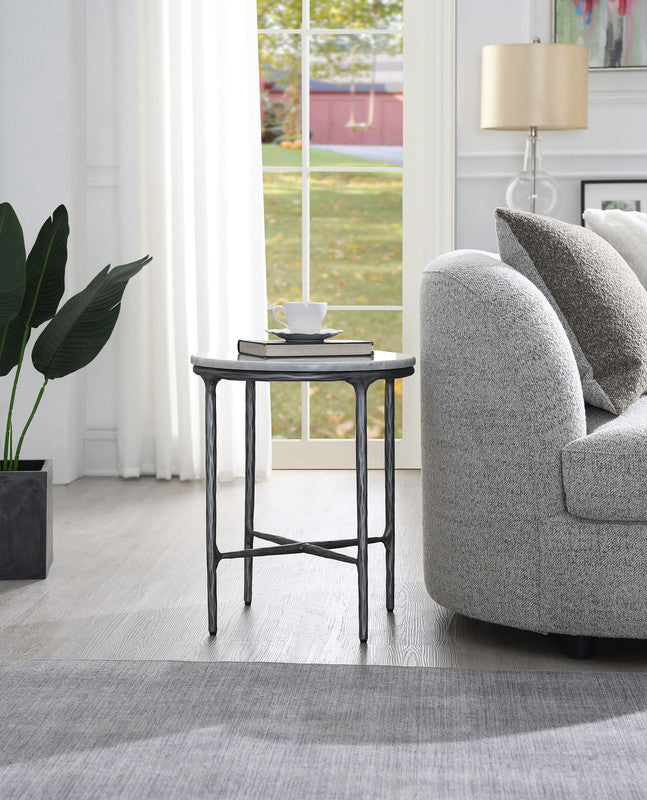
534 505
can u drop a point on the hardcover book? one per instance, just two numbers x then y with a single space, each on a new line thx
281 349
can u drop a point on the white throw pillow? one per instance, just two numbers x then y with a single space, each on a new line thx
626 231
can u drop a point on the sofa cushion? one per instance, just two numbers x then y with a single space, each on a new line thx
597 297
596 417
605 473
626 231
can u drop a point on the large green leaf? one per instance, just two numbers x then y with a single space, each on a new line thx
12 265
43 282
46 270
10 353
83 325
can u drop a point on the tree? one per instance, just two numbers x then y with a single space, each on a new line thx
331 13
349 56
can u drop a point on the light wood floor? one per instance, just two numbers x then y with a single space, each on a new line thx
128 582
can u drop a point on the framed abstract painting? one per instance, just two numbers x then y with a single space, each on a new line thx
615 31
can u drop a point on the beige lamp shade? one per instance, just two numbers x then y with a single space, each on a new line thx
543 86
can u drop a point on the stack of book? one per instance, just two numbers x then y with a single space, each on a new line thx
281 349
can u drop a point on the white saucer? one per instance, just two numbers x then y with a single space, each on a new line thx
320 336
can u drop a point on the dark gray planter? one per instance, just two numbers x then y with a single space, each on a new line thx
26 521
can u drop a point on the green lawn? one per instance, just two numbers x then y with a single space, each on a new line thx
276 156
355 259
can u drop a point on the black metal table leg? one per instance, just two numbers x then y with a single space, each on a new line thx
361 469
250 479
389 489
213 556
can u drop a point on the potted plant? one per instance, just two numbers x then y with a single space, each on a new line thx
31 287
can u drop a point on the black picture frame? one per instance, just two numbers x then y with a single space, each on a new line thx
626 194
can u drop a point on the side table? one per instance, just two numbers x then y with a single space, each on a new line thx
360 373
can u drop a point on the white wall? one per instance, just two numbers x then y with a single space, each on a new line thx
42 164
613 146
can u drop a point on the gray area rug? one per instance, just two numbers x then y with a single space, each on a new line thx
162 730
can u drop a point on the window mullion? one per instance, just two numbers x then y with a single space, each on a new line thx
305 167
335 31
305 195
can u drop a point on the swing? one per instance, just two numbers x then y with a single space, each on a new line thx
352 123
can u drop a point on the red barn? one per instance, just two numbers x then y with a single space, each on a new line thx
368 114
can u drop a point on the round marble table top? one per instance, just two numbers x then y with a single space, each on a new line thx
380 361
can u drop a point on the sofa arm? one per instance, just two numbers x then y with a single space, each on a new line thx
500 393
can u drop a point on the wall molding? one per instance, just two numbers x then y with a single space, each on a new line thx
101 176
564 164
610 97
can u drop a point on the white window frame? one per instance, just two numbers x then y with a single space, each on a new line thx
428 192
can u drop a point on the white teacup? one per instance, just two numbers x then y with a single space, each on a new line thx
302 317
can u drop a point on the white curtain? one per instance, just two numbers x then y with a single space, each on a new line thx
190 194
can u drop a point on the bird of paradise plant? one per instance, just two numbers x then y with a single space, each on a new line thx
31 287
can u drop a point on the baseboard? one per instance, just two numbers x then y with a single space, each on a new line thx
100 453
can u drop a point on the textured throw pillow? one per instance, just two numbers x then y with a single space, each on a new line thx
597 297
627 232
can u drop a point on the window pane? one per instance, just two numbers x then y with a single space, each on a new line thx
279 13
280 81
332 410
332 405
282 194
285 400
356 14
356 238
356 100
383 328
286 410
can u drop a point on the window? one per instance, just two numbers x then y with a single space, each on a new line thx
333 70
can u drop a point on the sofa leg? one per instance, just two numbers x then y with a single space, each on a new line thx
578 646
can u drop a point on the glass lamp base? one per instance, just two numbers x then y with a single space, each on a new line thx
518 195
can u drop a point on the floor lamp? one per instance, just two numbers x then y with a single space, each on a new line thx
534 87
